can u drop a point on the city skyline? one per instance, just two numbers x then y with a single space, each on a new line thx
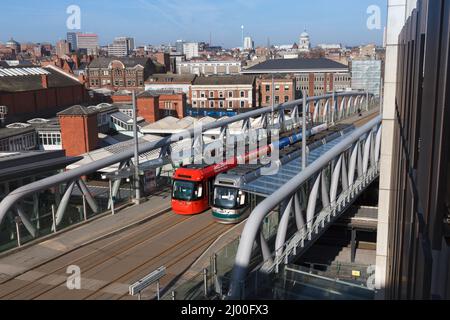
178 20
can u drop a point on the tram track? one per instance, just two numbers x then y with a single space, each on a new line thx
108 252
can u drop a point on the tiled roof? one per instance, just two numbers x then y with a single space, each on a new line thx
224 80
20 83
296 65
77 110
103 62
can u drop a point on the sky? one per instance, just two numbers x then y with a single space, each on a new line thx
165 21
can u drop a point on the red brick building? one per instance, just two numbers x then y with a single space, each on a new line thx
316 76
79 130
233 93
153 106
32 92
284 90
120 73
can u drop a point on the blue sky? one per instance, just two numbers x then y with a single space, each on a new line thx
165 21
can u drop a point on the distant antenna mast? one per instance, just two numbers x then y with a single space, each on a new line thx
242 28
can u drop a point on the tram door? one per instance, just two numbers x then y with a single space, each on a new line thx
210 188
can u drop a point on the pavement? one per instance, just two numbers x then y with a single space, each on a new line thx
34 255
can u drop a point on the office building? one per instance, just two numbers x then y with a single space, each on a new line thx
248 43
121 47
366 75
62 48
190 50
413 245
72 39
88 42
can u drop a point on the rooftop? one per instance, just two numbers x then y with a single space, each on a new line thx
78 110
169 78
225 80
297 65
30 79
104 62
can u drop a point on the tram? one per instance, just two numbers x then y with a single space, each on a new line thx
193 185
232 204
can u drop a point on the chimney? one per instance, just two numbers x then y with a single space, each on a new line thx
44 81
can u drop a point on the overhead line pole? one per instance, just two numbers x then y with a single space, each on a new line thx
136 152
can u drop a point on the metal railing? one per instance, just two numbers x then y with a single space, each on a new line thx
327 108
332 181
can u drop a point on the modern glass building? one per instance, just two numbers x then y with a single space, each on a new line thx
366 75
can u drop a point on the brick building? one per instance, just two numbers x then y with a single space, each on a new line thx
31 92
171 82
208 68
154 105
284 90
120 73
79 130
317 76
218 94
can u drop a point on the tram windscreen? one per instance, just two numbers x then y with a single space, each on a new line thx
225 198
183 190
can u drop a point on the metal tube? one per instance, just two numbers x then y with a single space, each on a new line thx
136 151
273 100
53 218
111 199
18 231
90 200
157 291
304 162
205 282
251 228
84 208
75 174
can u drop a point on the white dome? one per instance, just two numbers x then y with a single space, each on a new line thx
304 35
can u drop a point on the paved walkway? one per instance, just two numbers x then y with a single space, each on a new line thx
34 255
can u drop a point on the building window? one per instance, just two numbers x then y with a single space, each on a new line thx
106 73
220 94
242 94
202 104
242 104
286 98
194 94
211 94
267 99
211 104
202 94
220 104
230 94
277 99
267 87
286 87
277 87
168 105
49 139
230 104
194 103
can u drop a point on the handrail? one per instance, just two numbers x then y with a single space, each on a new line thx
11 199
251 229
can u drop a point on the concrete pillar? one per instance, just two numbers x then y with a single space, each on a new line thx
398 12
